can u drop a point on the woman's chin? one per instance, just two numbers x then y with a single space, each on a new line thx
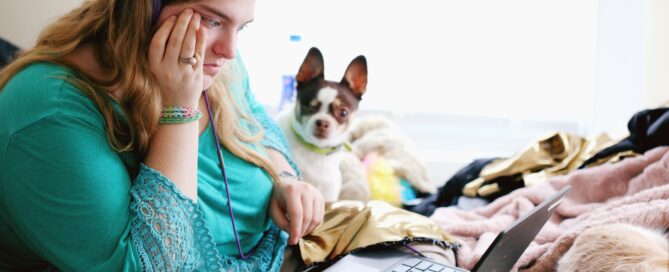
207 81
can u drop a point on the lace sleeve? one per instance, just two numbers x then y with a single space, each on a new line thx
167 228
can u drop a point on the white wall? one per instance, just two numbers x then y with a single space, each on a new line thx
465 79
452 72
21 20
657 53
620 78
632 61
478 57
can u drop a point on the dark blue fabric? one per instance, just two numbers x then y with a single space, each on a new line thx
448 194
7 52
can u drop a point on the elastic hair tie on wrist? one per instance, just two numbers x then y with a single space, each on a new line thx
178 115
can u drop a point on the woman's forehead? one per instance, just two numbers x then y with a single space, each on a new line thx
237 10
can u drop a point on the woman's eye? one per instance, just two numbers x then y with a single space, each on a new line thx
210 22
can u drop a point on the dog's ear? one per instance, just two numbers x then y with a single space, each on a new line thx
312 66
356 76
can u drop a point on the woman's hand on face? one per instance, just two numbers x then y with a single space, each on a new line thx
297 208
178 37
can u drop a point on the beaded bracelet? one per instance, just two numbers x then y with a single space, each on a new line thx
179 115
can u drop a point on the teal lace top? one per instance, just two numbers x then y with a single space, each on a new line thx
68 203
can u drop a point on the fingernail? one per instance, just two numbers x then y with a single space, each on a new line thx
188 11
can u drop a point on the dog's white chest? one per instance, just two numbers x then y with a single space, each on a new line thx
321 170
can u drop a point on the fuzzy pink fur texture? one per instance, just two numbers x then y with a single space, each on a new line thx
634 191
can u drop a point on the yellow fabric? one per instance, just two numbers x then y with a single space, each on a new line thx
350 225
384 184
557 153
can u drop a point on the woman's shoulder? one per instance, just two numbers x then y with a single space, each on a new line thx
40 75
42 90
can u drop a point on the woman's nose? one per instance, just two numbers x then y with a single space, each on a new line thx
225 45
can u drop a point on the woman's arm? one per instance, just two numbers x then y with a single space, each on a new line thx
69 197
173 148
66 195
167 227
280 163
296 206
69 200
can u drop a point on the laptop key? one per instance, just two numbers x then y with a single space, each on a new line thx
418 264
412 262
401 268
436 268
422 266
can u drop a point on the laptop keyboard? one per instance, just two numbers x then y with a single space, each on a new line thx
417 264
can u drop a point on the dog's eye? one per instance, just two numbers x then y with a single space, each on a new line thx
343 113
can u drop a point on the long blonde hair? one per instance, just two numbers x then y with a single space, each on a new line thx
120 31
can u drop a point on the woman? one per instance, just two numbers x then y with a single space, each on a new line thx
106 164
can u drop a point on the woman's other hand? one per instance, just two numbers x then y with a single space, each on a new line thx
178 37
297 208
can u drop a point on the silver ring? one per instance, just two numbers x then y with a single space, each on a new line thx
191 60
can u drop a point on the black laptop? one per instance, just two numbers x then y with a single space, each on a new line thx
501 256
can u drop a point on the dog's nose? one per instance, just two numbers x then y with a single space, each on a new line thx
322 124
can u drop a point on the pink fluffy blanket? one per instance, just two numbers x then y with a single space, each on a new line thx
635 190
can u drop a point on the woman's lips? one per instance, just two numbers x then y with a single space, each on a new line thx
211 69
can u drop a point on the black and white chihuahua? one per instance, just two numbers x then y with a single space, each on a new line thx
317 126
